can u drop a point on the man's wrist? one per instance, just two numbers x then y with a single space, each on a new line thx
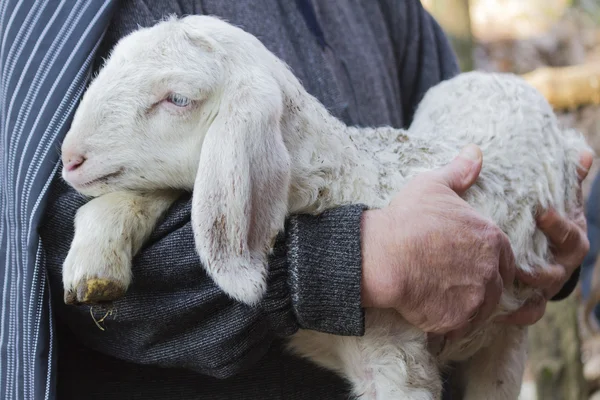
375 284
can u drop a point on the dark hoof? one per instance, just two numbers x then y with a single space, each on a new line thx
95 291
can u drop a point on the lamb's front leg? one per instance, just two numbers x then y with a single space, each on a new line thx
496 372
109 231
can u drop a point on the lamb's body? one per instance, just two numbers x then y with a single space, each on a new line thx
528 162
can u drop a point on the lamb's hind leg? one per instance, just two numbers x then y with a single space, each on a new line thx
390 362
109 231
496 372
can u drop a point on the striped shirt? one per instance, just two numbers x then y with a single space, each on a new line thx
46 51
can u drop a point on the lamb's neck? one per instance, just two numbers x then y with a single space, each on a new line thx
331 163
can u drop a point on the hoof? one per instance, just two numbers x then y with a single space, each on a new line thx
95 291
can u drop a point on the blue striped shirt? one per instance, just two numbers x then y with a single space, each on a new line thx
46 51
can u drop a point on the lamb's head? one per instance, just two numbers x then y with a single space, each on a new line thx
191 103
142 122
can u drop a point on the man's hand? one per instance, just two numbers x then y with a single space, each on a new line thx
432 257
569 242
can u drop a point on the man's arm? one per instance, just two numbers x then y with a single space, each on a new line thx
174 316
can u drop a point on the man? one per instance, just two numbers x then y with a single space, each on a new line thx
176 335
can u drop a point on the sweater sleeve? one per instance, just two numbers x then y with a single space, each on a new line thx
323 261
174 316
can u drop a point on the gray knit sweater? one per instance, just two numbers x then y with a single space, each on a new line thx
175 335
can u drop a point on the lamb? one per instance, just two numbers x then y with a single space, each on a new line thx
198 104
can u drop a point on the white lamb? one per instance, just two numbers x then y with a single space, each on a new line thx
196 103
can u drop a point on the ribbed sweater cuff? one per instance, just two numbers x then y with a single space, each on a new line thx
324 270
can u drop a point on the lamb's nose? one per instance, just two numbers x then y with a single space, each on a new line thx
72 163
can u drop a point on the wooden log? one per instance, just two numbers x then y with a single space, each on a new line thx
568 87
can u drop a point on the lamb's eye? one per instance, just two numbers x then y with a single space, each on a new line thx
178 100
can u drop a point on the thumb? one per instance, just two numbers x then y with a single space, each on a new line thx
462 172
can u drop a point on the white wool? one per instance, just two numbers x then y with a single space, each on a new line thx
255 147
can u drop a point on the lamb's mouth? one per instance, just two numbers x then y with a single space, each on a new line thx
103 178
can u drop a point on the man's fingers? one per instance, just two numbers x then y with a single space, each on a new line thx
543 278
553 226
462 172
529 314
493 294
560 231
490 302
507 264
567 237
585 163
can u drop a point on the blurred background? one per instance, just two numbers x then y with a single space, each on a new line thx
555 45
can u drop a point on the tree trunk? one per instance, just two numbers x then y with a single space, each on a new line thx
455 19
555 355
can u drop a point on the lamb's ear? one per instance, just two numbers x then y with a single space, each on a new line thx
241 190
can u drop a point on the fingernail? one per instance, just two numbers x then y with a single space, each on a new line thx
590 155
471 152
